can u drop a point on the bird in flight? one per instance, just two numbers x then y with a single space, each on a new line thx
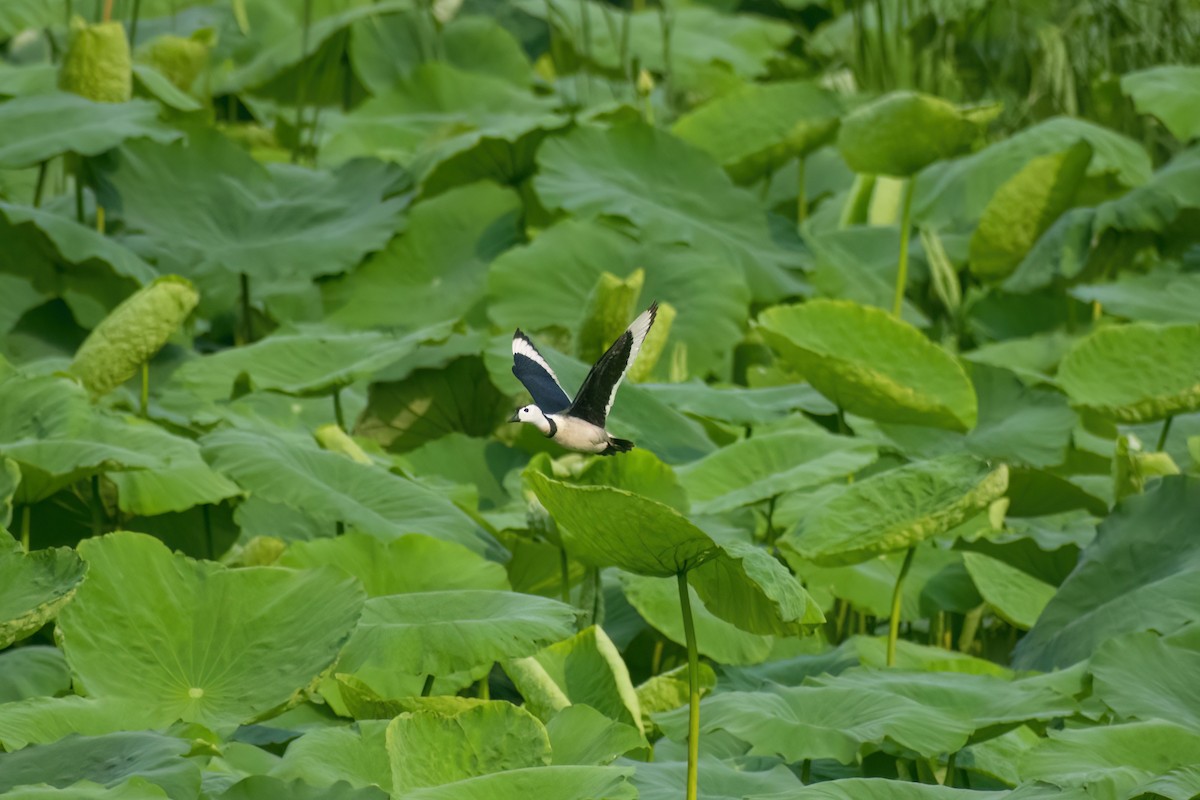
578 424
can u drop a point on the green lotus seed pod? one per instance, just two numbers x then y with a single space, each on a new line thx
97 64
132 333
655 344
181 60
609 310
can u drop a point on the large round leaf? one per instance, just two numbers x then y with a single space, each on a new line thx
894 510
409 564
671 192
442 632
431 749
333 488
764 466
903 132
738 582
33 587
754 129
547 783
197 641
39 127
1135 373
871 364
1170 92
1141 573
1119 669
106 760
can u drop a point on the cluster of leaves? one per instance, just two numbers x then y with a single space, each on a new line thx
915 513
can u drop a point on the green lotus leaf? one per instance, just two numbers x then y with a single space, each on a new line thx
32 671
1119 669
423 261
43 720
1162 296
133 333
34 587
433 749
1181 783
1170 93
657 600
896 509
584 669
581 735
741 405
652 425
903 132
412 563
721 779
604 526
131 633
953 194
322 757
839 722
448 127
550 783
669 690
871 364
740 583
61 257
1116 758
39 127
107 760
265 787
763 467
754 129
443 632
311 360
1016 596
462 459
1023 208
332 488
884 789
1141 573
1135 373
228 222
671 192
990 704
387 48
1018 424
546 284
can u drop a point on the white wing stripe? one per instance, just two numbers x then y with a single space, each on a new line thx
639 329
521 346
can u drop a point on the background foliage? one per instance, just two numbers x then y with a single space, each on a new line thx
927 368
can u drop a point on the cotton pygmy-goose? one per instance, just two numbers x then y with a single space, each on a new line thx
578 424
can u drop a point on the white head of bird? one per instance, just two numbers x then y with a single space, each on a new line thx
533 415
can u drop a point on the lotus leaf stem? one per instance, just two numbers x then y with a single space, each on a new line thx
144 406
564 567
894 621
97 507
949 779
302 89
133 22
338 414
905 230
801 197
247 323
485 690
40 186
970 629
1162 437
428 687
26 512
689 632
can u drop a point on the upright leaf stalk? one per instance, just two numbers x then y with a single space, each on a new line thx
905 228
693 655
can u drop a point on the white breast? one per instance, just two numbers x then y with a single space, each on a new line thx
577 434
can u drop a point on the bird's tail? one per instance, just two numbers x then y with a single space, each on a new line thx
616 445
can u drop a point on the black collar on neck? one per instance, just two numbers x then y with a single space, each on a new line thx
553 428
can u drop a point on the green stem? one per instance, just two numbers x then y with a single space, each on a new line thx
26 512
208 534
97 507
970 629
1162 437
949 780
79 192
133 22
806 771
689 632
801 197
302 89
428 687
894 622
41 183
145 399
564 567
905 230
338 414
247 322
484 690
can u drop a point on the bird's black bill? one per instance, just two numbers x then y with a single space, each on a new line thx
514 417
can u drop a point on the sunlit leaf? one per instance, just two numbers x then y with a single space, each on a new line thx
902 133
1170 93
1016 596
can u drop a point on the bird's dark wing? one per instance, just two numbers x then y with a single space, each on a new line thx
535 375
599 389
